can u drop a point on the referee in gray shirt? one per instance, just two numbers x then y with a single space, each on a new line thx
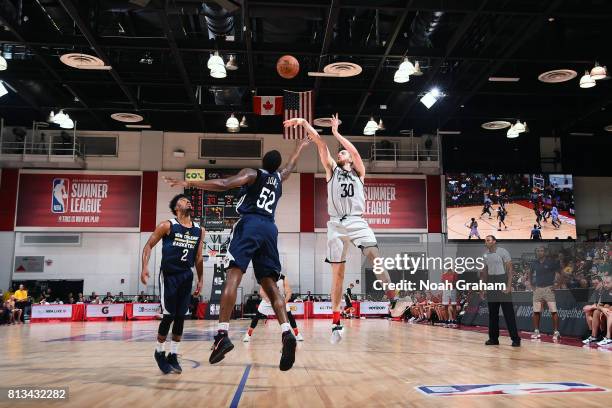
498 269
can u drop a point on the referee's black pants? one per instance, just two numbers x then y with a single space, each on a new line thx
505 302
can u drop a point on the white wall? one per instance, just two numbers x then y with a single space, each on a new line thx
102 260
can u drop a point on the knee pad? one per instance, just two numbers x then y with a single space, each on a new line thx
177 327
164 325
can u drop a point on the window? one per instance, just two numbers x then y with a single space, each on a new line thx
230 148
99 145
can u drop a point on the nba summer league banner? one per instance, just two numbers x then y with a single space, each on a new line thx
398 203
76 200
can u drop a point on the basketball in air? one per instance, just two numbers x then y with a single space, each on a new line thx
287 66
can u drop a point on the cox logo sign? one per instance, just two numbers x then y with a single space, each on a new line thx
194 174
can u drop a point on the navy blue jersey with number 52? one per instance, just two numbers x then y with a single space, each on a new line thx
262 196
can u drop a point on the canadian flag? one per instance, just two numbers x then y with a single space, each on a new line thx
268 105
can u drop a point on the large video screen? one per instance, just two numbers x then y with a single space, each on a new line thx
510 206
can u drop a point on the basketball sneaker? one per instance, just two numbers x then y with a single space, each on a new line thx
556 336
162 362
288 353
337 334
299 337
605 342
536 334
589 340
221 347
173 362
246 338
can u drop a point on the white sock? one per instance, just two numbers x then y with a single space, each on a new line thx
159 347
223 326
285 327
174 346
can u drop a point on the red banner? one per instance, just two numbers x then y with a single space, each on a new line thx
78 200
391 203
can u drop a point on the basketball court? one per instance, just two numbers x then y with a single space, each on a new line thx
382 363
184 180
519 220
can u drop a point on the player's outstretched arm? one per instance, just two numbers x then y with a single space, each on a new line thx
160 231
245 176
324 155
357 161
288 169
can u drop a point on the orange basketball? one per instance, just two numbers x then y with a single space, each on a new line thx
287 66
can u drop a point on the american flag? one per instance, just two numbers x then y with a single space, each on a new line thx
297 105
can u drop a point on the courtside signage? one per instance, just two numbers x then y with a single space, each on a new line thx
530 388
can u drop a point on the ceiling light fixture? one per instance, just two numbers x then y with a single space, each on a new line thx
598 72
504 79
587 81
401 77
3 64
215 60
232 124
407 67
431 97
520 127
3 90
371 127
231 64
417 69
512 133
243 122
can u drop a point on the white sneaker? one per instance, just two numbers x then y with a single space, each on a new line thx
337 334
556 336
246 338
606 341
536 334
299 337
590 340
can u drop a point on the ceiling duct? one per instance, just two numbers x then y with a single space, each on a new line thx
219 21
423 26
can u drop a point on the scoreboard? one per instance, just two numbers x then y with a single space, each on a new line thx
215 211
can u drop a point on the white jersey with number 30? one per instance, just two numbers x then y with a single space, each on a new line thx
345 194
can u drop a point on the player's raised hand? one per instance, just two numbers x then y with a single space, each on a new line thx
175 182
144 275
293 122
335 123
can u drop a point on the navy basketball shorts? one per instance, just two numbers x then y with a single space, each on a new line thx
175 292
254 238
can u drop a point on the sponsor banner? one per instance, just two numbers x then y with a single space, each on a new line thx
78 200
324 308
51 311
296 308
109 310
146 309
569 307
195 174
374 308
508 389
391 204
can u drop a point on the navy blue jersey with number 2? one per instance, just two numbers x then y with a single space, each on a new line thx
262 196
179 247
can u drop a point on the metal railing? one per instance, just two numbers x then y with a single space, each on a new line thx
64 148
396 154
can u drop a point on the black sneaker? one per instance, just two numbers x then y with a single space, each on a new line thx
162 363
516 343
173 362
221 347
491 343
288 356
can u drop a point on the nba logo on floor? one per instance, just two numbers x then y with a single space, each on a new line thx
507 389
59 195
